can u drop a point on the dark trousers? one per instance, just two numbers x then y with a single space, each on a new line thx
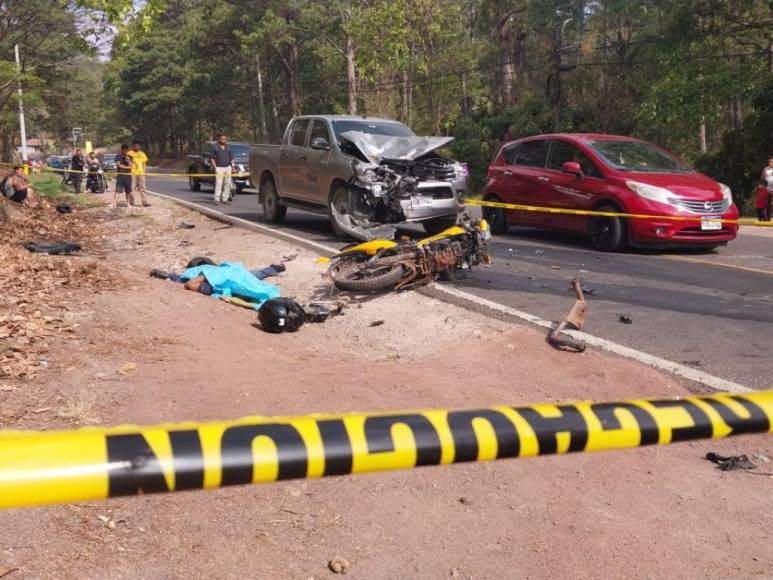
77 181
762 214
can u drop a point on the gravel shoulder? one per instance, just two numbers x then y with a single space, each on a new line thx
142 350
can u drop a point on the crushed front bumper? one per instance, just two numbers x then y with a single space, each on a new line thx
433 199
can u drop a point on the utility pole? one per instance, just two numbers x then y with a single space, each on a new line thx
22 128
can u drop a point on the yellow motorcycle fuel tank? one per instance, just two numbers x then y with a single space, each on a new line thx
371 248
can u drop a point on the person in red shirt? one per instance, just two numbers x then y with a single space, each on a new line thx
763 202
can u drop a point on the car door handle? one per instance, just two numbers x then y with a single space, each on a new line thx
506 172
543 179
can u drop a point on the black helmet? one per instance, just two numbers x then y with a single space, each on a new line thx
280 315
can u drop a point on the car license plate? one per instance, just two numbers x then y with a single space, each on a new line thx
709 223
421 201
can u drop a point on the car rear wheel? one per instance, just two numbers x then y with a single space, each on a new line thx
436 225
194 184
272 211
496 218
608 234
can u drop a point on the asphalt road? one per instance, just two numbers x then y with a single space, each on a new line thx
713 312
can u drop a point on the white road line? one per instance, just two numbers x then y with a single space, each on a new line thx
618 349
662 364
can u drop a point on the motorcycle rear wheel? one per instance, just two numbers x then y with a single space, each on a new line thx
368 279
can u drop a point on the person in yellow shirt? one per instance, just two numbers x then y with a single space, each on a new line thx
139 161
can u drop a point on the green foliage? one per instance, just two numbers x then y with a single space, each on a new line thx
744 152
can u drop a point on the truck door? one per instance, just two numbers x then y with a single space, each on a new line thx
292 159
316 175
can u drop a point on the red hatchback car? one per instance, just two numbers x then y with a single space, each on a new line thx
612 173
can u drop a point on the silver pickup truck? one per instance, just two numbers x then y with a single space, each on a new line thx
366 174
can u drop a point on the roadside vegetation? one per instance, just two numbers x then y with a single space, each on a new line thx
694 76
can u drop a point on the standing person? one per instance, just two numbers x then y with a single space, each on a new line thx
222 159
76 170
123 178
139 161
762 202
767 176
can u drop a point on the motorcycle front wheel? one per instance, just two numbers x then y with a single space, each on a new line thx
368 279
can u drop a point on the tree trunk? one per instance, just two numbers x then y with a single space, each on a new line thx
261 102
294 83
704 147
505 65
351 75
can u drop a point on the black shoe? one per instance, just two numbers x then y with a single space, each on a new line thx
160 274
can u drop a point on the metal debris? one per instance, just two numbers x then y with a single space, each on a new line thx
574 320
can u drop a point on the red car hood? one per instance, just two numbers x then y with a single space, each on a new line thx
689 185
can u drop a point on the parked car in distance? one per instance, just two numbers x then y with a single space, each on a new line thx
608 173
202 164
362 172
108 163
55 162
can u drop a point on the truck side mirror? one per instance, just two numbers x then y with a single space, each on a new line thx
320 144
572 167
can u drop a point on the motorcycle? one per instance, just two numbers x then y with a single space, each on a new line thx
381 265
95 180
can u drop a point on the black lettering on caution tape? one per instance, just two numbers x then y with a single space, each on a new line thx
133 467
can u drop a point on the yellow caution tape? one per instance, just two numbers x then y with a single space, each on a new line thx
584 212
114 173
66 466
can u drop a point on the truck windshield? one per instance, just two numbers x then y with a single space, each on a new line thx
373 127
638 156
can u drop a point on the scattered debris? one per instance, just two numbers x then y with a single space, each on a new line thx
185 226
109 522
730 463
574 320
55 248
5 571
127 368
555 267
339 565
762 458
64 208
625 319
376 323
289 257
464 501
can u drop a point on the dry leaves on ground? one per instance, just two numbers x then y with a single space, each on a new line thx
34 288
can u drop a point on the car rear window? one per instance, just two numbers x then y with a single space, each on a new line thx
240 150
509 153
638 156
532 154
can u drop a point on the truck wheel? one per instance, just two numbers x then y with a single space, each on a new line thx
272 211
194 184
340 202
608 234
436 225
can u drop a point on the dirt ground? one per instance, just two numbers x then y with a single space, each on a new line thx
151 352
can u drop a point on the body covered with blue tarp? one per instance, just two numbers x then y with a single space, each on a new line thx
233 279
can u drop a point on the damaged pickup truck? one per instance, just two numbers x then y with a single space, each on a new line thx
368 175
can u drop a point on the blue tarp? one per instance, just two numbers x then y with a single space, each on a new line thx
233 279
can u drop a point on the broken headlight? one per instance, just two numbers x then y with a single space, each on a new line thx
366 174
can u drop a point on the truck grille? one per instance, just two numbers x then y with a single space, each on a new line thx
437 192
701 207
